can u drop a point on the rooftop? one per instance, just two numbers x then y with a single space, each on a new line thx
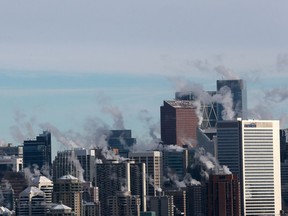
181 103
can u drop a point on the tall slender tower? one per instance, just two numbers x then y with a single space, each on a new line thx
153 163
261 167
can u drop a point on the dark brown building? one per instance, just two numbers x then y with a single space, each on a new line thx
178 122
223 195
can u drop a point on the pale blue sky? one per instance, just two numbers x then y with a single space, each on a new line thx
62 61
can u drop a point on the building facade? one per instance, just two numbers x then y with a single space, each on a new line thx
38 152
178 122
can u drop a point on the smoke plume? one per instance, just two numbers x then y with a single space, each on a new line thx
226 73
277 95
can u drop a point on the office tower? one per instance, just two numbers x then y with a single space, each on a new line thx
138 182
111 177
196 200
284 185
229 145
207 139
175 162
78 162
153 162
223 193
31 202
121 140
68 189
10 163
238 91
162 205
261 167
11 150
123 203
60 209
90 197
251 149
179 201
178 122
91 209
38 152
208 106
45 185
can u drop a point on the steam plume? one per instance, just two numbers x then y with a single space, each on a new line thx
225 72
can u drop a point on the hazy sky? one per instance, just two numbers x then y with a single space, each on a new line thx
67 61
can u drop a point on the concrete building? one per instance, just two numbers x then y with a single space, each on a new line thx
68 189
45 185
78 162
11 150
38 151
162 205
31 202
261 167
124 204
11 163
91 209
60 210
178 122
223 193
153 162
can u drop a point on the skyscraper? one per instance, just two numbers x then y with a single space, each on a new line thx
178 122
153 163
238 91
223 193
162 205
261 167
78 162
68 189
123 203
38 152
121 140
251 149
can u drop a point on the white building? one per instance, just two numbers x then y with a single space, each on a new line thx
261 167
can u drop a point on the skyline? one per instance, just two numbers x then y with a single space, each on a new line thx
67 63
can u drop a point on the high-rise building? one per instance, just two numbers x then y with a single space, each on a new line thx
123 203
223 193
121 140
251 149
179 201
60 209
261 167
38 152
45 185
10 163
196 200
237 89
11 150
229 145
208 106
175 161
68 189
153 162
111 177
31 202
162 205
178 122
78 162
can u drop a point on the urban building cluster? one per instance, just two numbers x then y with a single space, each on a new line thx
211 160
